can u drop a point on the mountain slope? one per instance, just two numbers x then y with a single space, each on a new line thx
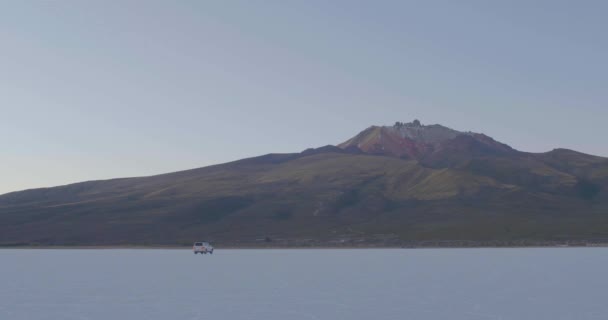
385 186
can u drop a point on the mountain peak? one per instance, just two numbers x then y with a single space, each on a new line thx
417 141
415 123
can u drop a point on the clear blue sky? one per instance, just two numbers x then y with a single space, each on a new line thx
102 89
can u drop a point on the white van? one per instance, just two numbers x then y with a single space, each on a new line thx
202 247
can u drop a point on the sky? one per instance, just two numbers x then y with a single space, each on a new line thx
104 89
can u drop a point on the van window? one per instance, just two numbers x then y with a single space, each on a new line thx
198 244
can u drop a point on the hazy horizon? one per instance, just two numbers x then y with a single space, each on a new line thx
98 90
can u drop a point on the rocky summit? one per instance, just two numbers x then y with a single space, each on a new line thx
405 184
422 142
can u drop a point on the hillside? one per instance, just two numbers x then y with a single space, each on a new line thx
386 186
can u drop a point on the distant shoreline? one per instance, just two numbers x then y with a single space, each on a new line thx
321 247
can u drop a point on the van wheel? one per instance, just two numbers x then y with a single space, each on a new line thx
195 252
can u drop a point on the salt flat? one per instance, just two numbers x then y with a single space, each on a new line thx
518 284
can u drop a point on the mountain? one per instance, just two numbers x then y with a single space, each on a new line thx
389 185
